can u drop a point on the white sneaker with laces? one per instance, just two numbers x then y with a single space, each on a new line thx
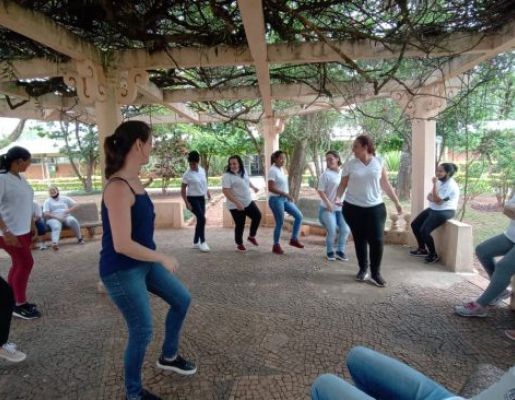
9 352
204 247
471 309
196 245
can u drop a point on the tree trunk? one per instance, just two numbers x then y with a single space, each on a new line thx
403 187
14 135
297 166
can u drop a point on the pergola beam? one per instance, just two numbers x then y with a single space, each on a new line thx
42 29
254 24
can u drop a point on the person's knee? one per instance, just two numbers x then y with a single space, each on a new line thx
142 334
357 356
184 304
481 250
321 388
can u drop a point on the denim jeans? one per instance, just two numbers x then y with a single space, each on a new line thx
334 224
377 377
129 289
278 205
501 272
56 226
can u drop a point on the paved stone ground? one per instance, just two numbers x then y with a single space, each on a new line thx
260 326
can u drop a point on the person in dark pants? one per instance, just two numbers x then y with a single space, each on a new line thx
443 202
194 191
236 187
362 180
8 351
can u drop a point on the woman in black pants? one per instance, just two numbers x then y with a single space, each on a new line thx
8 351
236 187
443 202
194 191
362 180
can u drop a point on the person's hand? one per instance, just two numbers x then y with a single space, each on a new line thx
338 203
430 197
399 208
170 263
239 206
434 179
188 206
288 196
209 196
11 239
330 207
255 189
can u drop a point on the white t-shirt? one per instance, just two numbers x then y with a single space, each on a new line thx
328 183
364 187
196 181
240 188
277 176
510 232
37 212
16 198
59 206
448 189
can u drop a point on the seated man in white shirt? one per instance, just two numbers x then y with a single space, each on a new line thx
57 211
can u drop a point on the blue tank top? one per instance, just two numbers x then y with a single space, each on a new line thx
142 218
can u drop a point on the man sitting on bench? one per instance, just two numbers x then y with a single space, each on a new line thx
57 211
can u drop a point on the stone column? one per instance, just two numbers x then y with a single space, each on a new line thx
270 129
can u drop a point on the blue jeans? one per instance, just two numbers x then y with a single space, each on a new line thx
377 377
129 289
331 221
501 272
278 205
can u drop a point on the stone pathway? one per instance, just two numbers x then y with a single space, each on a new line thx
260 326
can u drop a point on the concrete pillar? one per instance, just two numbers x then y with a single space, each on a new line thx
270 129
108 116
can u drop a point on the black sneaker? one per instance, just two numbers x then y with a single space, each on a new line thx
26 311
361 276
431 259
179 365
377 280
146 395
419 253
340 255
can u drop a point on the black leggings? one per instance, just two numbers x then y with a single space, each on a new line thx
425 223
6 310
239 220
367 227
198 208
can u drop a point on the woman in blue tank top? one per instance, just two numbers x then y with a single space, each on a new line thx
130 265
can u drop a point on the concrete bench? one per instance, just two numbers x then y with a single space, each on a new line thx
310 223
454 245
169 213
89 219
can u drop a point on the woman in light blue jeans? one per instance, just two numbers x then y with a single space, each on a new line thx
280 201
330 212
499 272
378 377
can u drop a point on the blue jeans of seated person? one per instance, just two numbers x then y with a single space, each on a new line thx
335 225
501 272
129 289
278 205
377 377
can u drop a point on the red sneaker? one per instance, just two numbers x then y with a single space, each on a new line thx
277 249
241 247
296 243
253 241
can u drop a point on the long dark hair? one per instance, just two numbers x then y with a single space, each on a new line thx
335 155
450 168
240 163
365 140
275 155
13 154
118 145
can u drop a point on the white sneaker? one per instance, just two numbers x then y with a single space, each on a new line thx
9 352
196 245
43 246
204 247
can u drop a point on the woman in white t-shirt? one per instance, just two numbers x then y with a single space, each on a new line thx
57 210
330 212
280 201
236 187
16 198
500 272
443 202
194 191
362 180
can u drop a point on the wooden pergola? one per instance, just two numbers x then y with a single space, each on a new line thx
106 80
